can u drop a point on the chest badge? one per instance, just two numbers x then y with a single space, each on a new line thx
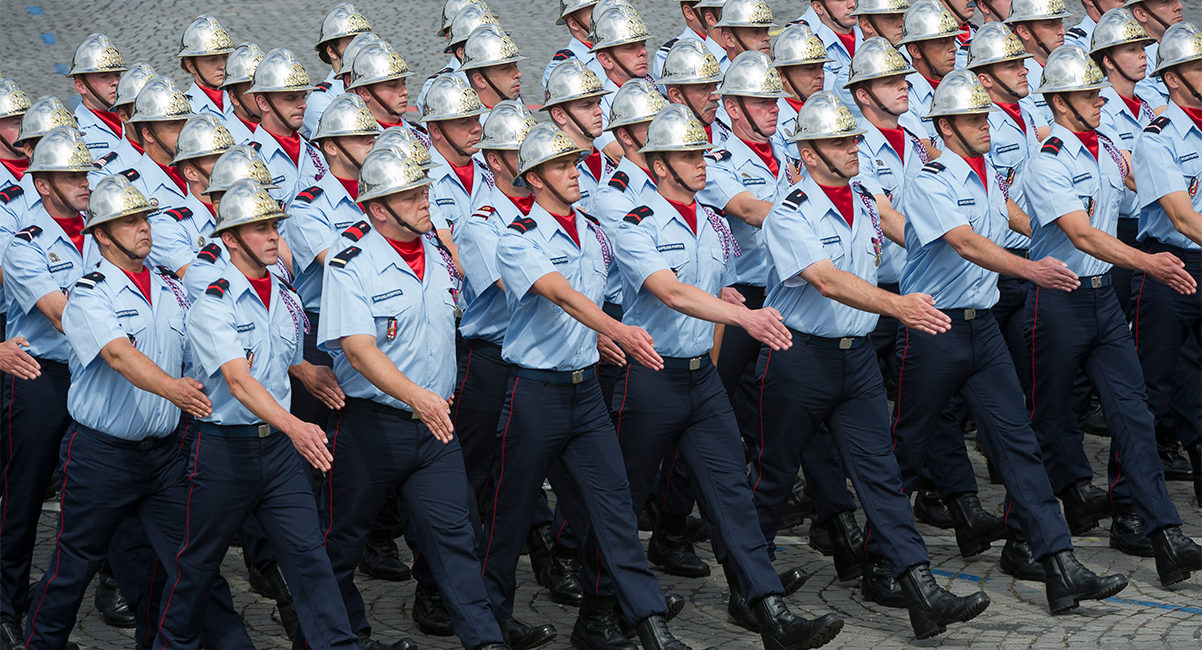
132 341
250 358
200 242
391 329
53 257
1193 187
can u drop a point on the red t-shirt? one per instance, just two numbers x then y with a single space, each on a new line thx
212 210
688 211
252 126
73 226
351 186
764 151
141 280
389 125
795 103
15 167
1015 113
594 163
934 82
709 132
569 224
849 41
965 34
1134 105
523 203
466 175
1195 115
896 139
290 144
414 254
175 177
841 198
110 119
216 96
1090 140
262 286
978 165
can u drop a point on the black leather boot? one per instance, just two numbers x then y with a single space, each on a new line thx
674 602
878 584
1095 421
847 538
932 607
1018 561
975 528
1176 555
382 560
1127 533
781 629
737 609
597 627
561 576
519 636
1168 447
820 539
270 584
671 550
930 510
798 507
792 579
369 643
1084 506
430 613
654 635
110 602
538 545
1069 582
11 637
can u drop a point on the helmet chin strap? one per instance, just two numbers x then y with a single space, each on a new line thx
246 250
346 154
1188 86
621 66
633 138
685 100
276 111
492 86
880 106
450 142
124 251
1076 114
960 136
250 107
1039 42
554 192
59 195
827 161
579 125
396 117
200 77
398 220
1001 84
95 95
751 120
676 177
831 15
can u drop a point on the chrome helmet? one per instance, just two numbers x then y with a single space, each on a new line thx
994 43
506 126
876 58
675 128
798 45
347 115
746 13
1180 43
114 198
637 101
1069 69
543 143
160 101
280 72
960 93
689 62
132 82
928 20
1117 27
386 172
824 117
618 25
569 81
488 46
343 20
202 135
245 202
239 162
204 36
571 6
376 64
403 140
241 65
96 54
450 98
1028 10
751 75
62 149
13 102
352 50
45 113
879 7
468 19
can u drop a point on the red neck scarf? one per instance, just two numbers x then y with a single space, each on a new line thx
209 206
73 227
215 96
709 133
414 254
523 203
290 144
16 167
1015 113
175 177
262 286
896 139
1133 104
688 211
965 34
594 163
137 147
841 198
141 280
978 166
110 119
849 41
764 151
568 223
1195 115
934 82
351 187
252 126
795 103
1090 140
389 125
466 175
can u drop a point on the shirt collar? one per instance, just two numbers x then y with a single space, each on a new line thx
638 178
1072 144
958 168
875 138
196 94
37 215
670 213
815 194
579 49
548 226
920 85
239 285
117 275
1179 119
383 254
156 179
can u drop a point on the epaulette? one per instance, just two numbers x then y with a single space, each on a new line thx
484 212
90 280
443 71
255 145
1157 125
1052 145
131 174
8 194
637 215
859 188
345 256
795 199
523 224
356 232
218 288
588 217
307 195
1075 32
29 233
106 159
607 160
934 167
562 55
718 155
667 46
179 214
416 126
859 138
1104 138
323 86
209 253
619 181
166 272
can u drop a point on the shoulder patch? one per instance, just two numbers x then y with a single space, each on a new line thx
443 71
131 174
1076 32
307 195
523 224
209 253
562 55
340 260
106 158
637 215
718 155
484 212
619 181
166 272
356 232
218 288
933 167
90 280
1157 125
29 233
1052 145
667 46
795 199
10 193
179 214
588 217
323 86
255 145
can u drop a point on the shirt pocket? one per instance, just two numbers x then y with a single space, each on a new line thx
390 311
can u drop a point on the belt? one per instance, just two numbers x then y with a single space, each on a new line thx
1021 252
557 376
483 347
964 314
236 430
1095 281
372 405
1153 245
613 310
689 363
145 444
842 343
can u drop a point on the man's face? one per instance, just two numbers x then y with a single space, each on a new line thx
167 134
290 105
463 131
391 96
975 131
1190 73
746 39
1168 11
103 84
357 147
892 92
208 70
804 79
702 99
834 13
890 26
9 127
843 153
562 175
261 240
508 78
73 186
1012 74
1088 104
940 54
961 9
587 112
1048 33
198 170
760 112
631 56
132 233
1131 59
413 206
690 166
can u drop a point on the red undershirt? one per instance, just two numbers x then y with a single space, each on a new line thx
212 210
896 139
137 147
1133 105
351 187
262 286
175 177
795 103
934 82
849 41
141 280
688 211
110 119
290 144
978 166
965 34
1195 115
73 226
251 125
523 203
389 125
414 254
15 167
1015 113
764 151
1090 140
594 163
466 175
568 223
709 133
841 198
215 96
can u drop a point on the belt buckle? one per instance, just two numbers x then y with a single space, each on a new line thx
970 314
845 343
1095 282
264 430
694 363
577 376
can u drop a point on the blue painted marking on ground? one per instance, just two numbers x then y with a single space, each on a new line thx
48 38
35 10
1146 603
959 576
61 68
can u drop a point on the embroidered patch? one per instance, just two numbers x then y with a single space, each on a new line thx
966 202
309 194
90 280
1052 145
55 268
245 327
385 296
1007 148
827 241
209 253
1188 157
340 260
620 181
795 199
218 288
559 260
10 193
678 246
357 231
125 313
1082 177
1157 125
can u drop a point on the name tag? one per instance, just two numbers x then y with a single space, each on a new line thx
752 181
343 225
97 145
385 296
964 202
1006 148
276 180
1126 136
444 201
1189 156
559 260
678 246
827 241
61 266
245 328
1082 177
126 313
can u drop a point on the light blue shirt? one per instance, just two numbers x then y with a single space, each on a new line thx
573 50
371 290
104 306
804 227
623 190
317 215
1166 160
284 173
229 322
921 93
838 69
661 55
589 183
485 313
1071 180
318 100
883 171
179 232
1010 149
1035 103
944 195
449 199
1082 34
540 334
1152 86
111 151
1117 119
202 105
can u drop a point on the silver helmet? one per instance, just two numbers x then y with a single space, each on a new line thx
879 7
468 19
450 98
452 9
618 25
488 46
388 171
798 45
245 202
569 81
1180 43
202 135
239 162
1117 27
1028 10
543 143
824 117
132 82
928 20
347 115
571 6
403 140
45 113
876 58
62 149
204 36
376 64
675 129
746 13
506 126
13 101
160 101
710 4
689 62
1069 69
352 50
96 54
280 72
751 75
241 65
994 43
637 101
960 93
343 20
114 198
